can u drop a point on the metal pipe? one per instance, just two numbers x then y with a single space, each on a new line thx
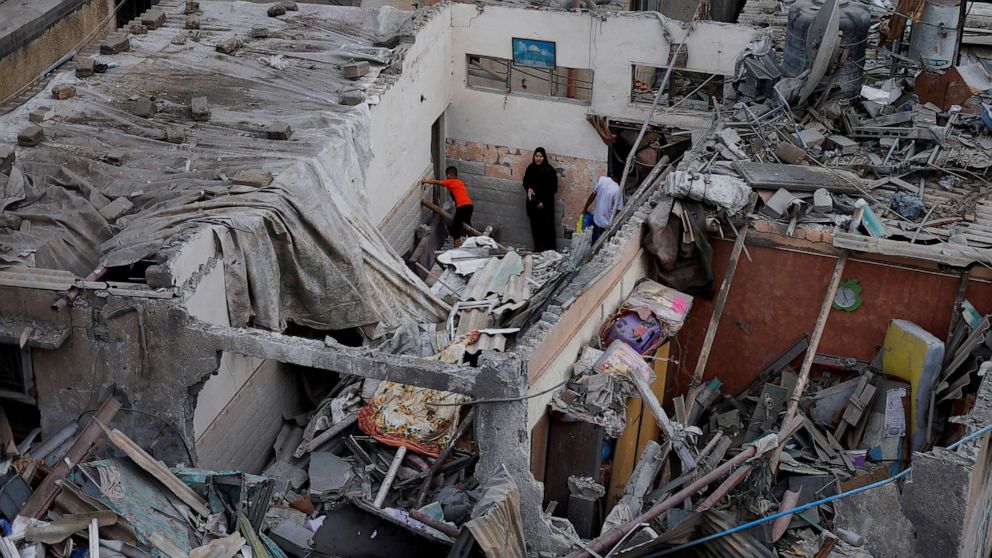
611 538
51 444
390 477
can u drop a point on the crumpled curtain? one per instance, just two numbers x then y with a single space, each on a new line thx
685 267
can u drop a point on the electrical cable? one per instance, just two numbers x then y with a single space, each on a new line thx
980 432
179 434
502 399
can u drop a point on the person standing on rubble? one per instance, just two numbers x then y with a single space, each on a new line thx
608 199
463 203
541 183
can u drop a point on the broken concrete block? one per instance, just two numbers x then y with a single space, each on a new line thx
85 67
193 22
137 28
175 135
116 157
229 46
328 473
30 136
115 209
40 114
778 206
846 146
823 202
252 177
7 159
352 98
876 516
153 19
260 32
200 109
278 131
180 39
191 7
355 70
789 153
115 45
63 92
144 107
276 10
810 137
289 6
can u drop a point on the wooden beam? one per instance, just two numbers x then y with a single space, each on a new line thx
721 301
438 210
42 498
156 469
814 342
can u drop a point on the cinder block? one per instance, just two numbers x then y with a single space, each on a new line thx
355 70
144 107
352 98
85 67
229 46
191 7
252 177
63 92
138 28
278 131
153 19
260 32
468 167
40 114
31 136
193 22
200 109
115 45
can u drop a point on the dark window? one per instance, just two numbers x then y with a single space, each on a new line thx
687 89
16 375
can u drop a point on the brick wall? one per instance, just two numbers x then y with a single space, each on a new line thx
575 176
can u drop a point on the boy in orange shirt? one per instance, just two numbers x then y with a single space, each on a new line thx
463 203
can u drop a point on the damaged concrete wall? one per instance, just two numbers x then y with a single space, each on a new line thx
238 410
776 297
500 130
401 127
50 41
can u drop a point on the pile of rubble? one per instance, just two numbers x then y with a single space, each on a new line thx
794 440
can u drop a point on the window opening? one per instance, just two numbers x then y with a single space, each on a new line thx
486 72
688 89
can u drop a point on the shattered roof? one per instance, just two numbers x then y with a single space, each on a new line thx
303 245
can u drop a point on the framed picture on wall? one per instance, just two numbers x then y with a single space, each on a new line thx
534 53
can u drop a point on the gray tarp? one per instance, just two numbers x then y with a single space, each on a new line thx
302 249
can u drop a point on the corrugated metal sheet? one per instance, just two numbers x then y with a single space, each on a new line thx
493 278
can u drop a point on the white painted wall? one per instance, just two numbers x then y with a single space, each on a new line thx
607 43
435 68
401 122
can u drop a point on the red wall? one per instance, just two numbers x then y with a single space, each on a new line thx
776 298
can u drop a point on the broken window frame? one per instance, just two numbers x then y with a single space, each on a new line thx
702 81
22 357
557 79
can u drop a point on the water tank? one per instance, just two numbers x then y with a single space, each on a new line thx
935 35
855 21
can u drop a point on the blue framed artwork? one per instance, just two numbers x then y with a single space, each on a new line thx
534 53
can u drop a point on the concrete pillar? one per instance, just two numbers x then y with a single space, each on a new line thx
501 436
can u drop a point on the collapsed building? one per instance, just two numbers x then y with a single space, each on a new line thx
214 240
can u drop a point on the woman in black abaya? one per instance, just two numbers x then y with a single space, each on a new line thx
541 183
